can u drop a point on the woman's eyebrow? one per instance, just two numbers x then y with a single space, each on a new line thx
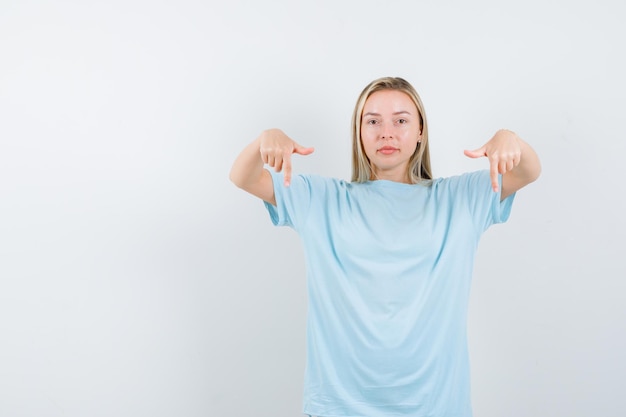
394 114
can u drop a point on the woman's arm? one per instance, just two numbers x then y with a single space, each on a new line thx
273 148
510 156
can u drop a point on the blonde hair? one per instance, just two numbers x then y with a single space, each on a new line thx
419 163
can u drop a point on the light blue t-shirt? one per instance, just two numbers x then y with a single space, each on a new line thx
389 267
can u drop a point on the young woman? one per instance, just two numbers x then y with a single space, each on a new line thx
389 256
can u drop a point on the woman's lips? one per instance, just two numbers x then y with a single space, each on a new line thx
387 150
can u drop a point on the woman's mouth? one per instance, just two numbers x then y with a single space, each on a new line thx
387 150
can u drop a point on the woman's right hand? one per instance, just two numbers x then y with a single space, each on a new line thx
276 149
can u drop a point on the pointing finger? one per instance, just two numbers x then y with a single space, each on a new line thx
494 175
287 168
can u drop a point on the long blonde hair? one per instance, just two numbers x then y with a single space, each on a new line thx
419 163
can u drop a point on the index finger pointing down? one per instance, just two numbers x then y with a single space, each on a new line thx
494 176
287 168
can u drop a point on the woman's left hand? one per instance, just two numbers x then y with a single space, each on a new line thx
504 152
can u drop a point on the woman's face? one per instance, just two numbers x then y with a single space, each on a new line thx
390 131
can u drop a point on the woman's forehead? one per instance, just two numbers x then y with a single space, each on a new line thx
389 101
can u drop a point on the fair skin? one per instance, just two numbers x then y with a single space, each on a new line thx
273 148
510 156
390 131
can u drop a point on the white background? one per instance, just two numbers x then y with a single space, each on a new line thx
136 280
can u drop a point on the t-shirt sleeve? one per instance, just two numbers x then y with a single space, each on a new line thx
484 204
292 203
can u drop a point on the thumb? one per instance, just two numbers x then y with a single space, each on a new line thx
301 150
477 153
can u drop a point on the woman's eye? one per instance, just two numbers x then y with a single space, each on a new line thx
372 122
402 121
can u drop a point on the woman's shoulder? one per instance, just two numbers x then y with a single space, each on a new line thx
319 182
468 182
318 178
464 177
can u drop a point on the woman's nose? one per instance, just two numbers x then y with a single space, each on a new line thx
386 132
